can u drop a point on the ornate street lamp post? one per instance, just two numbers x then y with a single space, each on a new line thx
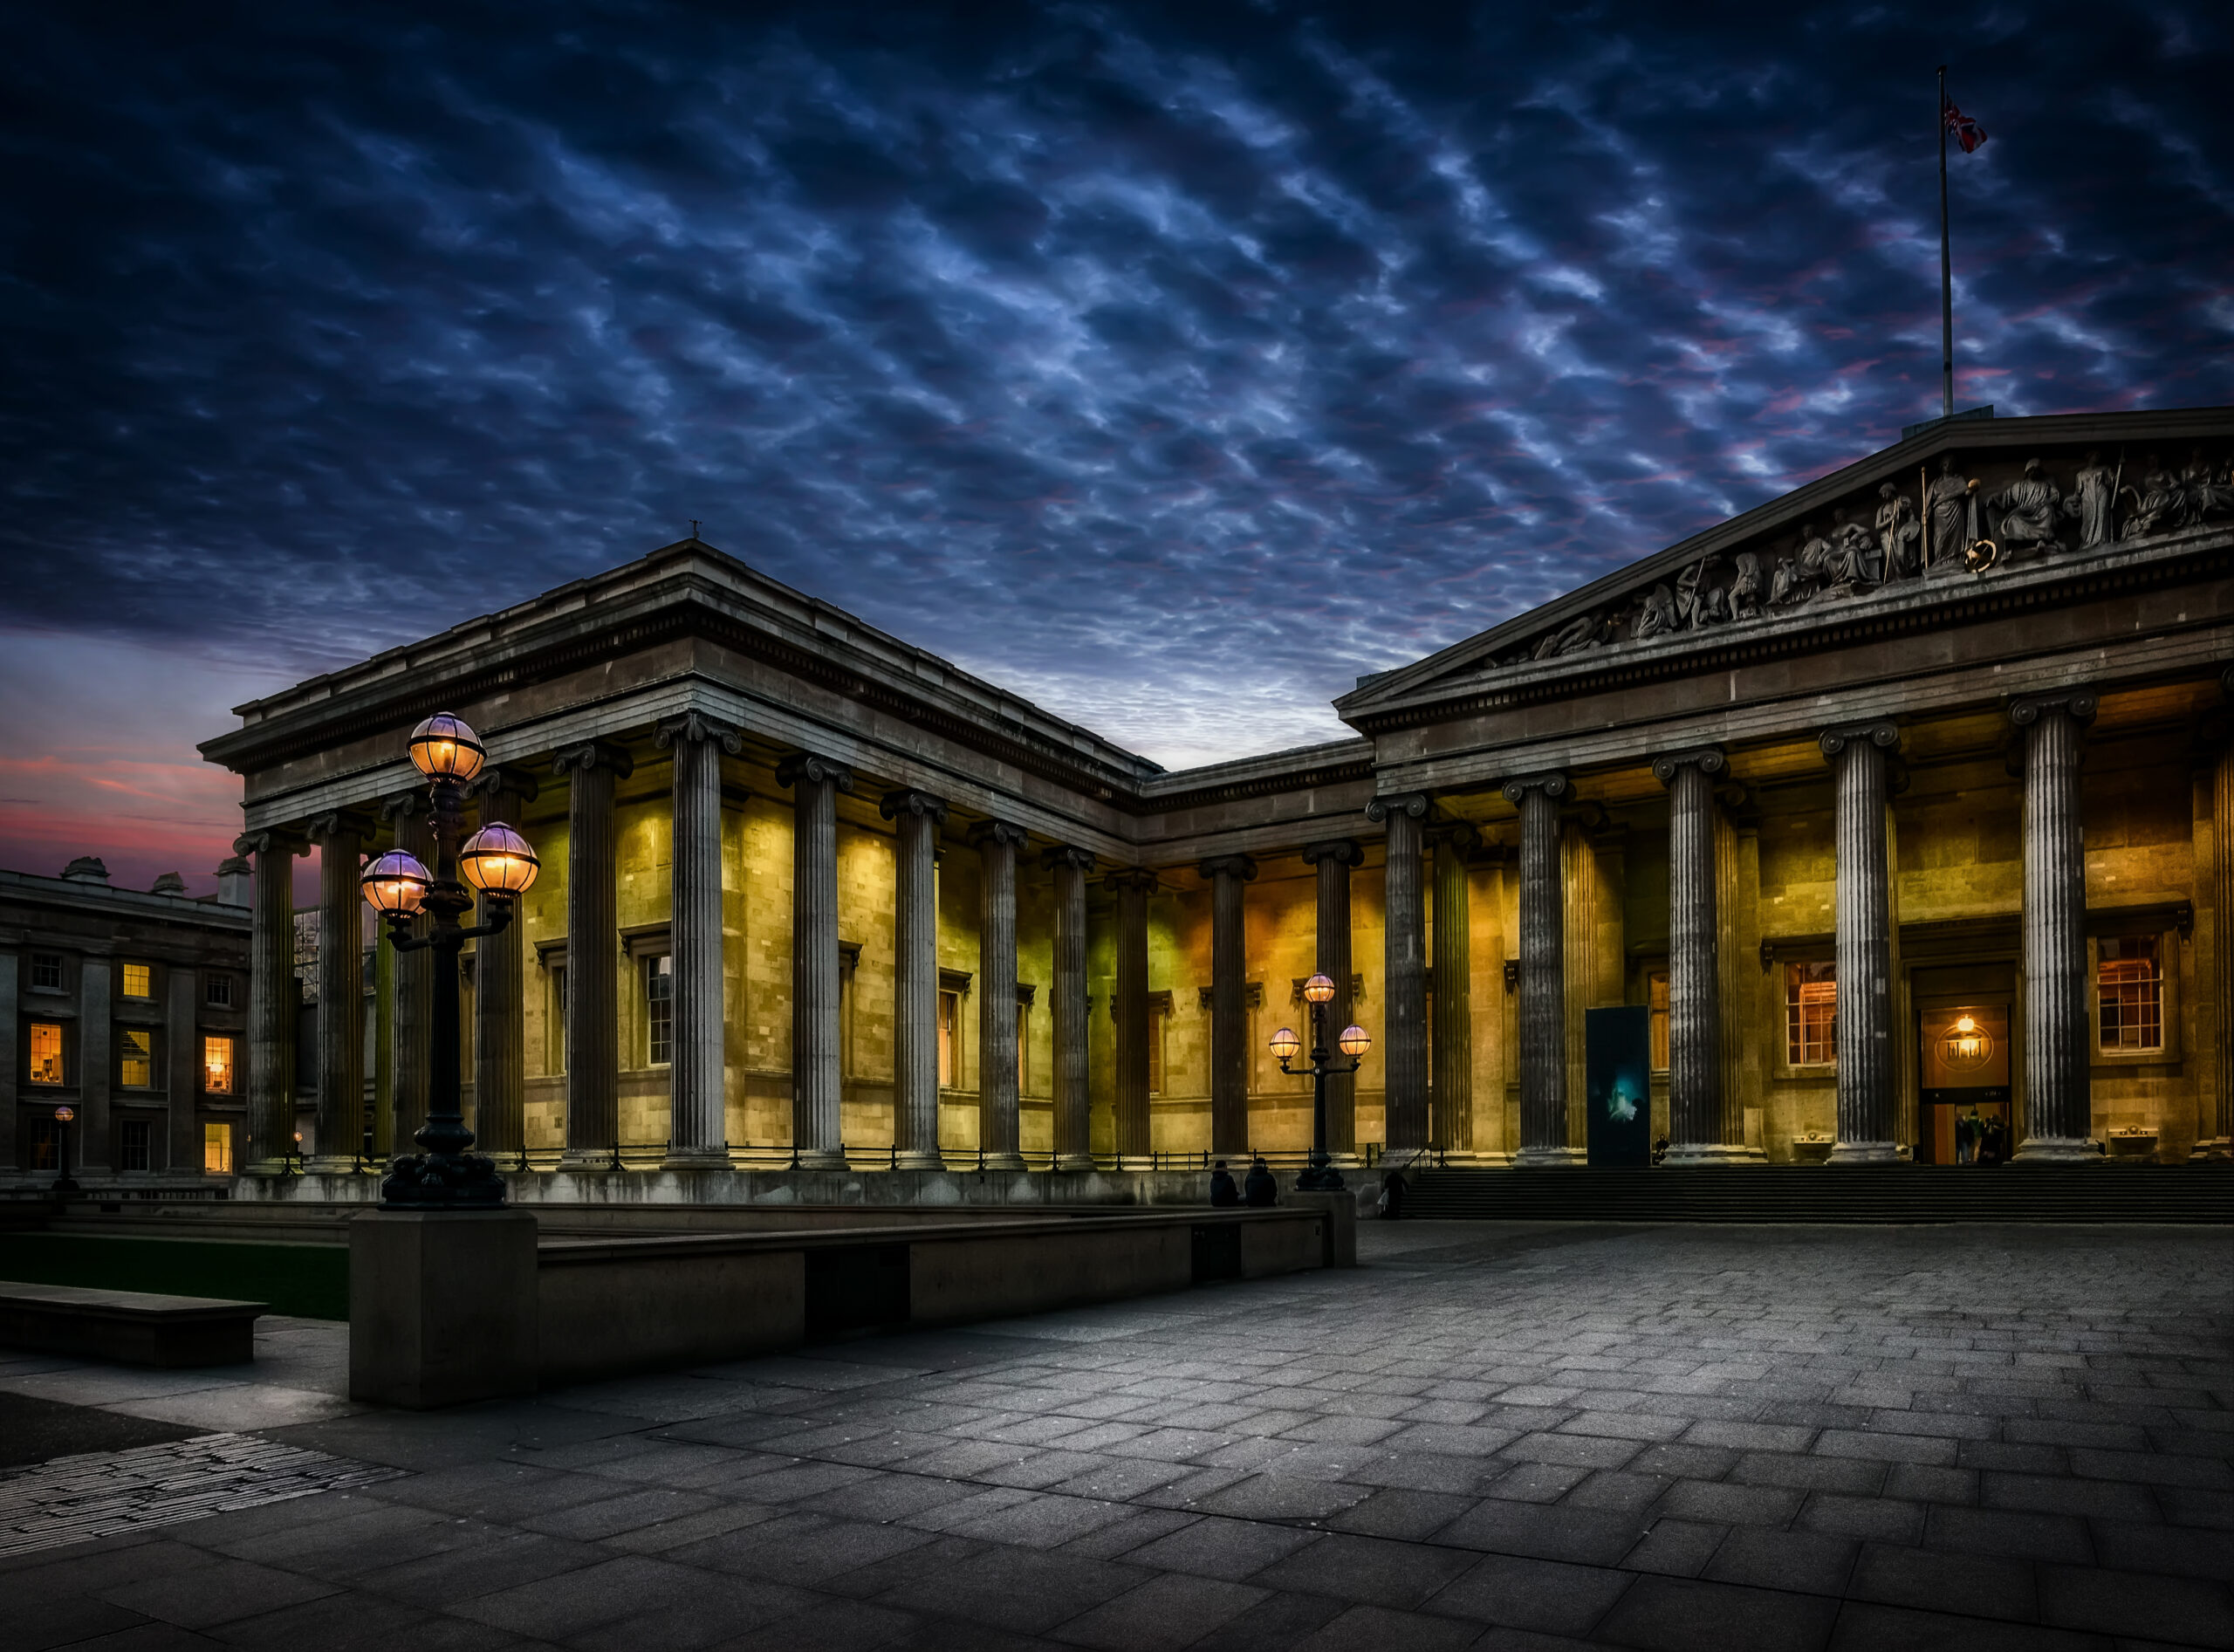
63 1183
445 1172
1320 1176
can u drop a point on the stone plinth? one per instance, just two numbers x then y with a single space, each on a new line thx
442 1306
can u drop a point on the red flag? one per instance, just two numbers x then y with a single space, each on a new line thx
1968 133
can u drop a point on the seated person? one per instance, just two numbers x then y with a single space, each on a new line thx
1258 1189
1222 1190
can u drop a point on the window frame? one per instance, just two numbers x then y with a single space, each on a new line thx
658 1007
217 1143
1659 999
1797 1043
2159 1007
64 1055
124 970
145 1130
949 1038
217 990
149 1052
231 1067
40 961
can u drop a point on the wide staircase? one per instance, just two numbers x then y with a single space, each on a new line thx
1899 1193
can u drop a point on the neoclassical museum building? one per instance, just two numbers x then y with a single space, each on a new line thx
1902 799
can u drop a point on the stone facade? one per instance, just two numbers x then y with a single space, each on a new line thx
130 1008
1817 785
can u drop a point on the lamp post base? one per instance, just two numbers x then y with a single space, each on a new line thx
443 1181
1319 1176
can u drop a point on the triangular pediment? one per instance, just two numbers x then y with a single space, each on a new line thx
1959 501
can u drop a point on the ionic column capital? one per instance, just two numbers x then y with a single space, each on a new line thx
336 824
405 806
1552 785
1343 851
1414 804
1459 834
2078 704
805 766
272 841
1228 866
987 832
696 725
909 802
1131 881
505 778
592 755
1708 759
1882 733
1065 854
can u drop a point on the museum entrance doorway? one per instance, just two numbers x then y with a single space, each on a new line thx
1964 1104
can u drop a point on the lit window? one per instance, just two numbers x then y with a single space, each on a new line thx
217 1148
217 1066
47 971
136 1059
1158 1015
1656 995
658 1003
2132 994
1811 1014
949 1040
46 1053
139 982
218 991
134 1145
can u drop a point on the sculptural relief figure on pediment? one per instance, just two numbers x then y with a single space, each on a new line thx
1745 589
2093 502
1852 561
1698 604
2157 502
1586 631
2206 491
2026 513
1952 519
1898 532
1657 615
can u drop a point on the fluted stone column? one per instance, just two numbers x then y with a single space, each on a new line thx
1542 974
340 840
815 1074
272 1000
2058 1095
1865 944
411 1019
1695 1065
592 952
499 1007
1073 1117
697 1079
1130 1013
1229 874
998 1127
2218 1122
1404 1023
915 983
1334 860
1451 1097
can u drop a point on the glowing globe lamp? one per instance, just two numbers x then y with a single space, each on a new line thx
498 860
394 883
1285 1044
445 749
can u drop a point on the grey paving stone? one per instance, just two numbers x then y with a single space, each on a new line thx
1284 1497
1374 1628
800 1548
347 1623
1884 1520
1715 1502
1676 1548
1402 1514
1021 1590
1865 1628
1166 1612
1374 1570
1684 1614
632 1591
2050 1494
1808 1473
199 1597
1221 1548
1936 1579
2182 1550
1886 1448
1587 1537
1751 1436
501 1560
2055 1539
1808 1562
1917 1484
1535 1482
1544 1595
2184 1611
830 1626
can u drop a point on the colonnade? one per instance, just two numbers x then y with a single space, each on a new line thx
1426 860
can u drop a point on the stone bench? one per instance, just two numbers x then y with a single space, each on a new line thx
131 1326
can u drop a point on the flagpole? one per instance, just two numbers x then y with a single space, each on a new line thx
1946 267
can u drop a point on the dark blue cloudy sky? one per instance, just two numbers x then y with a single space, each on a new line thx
1172 366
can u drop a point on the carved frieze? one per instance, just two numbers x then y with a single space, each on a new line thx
1907 529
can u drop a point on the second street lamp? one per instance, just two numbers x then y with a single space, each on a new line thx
498 862
1320 1176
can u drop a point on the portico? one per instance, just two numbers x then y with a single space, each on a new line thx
810 890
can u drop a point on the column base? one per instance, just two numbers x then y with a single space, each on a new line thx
1713 1153
1004 1161
695 1159
2057 1149
2210 1149
919 1159
1865 1153
1550 1158
823 1158
1137 1161
1076 1161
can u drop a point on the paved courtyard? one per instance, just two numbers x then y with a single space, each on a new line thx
1489 1436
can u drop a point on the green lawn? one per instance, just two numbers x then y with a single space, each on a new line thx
312 1280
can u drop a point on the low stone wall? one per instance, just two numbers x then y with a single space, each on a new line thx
611 1306
783 1187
